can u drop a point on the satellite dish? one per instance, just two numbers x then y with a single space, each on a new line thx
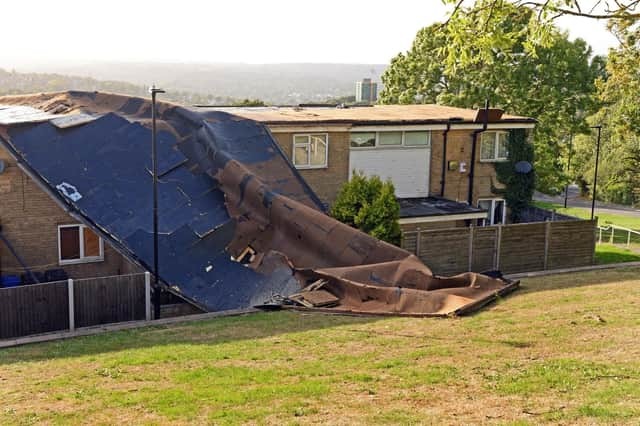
523 167
2 166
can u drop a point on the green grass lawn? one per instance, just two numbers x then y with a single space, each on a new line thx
605 252
609 253
564 349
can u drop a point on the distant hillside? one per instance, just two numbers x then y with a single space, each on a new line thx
273 83
14 83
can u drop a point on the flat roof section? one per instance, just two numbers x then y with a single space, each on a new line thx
436 206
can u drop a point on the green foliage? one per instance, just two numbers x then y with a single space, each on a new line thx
618 176
478 30
369 204
519 187
556 85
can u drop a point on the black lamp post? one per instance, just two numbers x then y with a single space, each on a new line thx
595 176
154 156
566 187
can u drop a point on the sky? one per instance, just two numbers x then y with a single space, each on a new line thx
258 31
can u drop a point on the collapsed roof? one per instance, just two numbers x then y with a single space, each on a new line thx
238 225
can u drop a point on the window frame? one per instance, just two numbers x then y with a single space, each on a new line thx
493 202
83 258
402 145
308 144
496 148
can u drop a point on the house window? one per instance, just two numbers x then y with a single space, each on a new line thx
78 244
417 138
363 140
496 211
310 151
493 146
390 139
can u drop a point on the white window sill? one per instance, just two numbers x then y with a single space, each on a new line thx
310 167
495 160
388 147
81 261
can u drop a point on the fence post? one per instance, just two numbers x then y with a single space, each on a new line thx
497 250
628 238
547 235
147 295
72 313
470 247
611 238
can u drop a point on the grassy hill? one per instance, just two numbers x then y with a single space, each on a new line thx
562 350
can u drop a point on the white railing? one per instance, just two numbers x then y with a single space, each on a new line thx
621 231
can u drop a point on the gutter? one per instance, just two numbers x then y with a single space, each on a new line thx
474 144
444 157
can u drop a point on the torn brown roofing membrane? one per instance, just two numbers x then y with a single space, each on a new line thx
239 226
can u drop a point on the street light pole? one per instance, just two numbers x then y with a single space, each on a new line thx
595 176
154 157
566 187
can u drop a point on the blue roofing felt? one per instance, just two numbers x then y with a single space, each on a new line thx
106 163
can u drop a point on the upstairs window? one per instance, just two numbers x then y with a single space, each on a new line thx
78 244
310 151
385 139
363 140
493 146
417 138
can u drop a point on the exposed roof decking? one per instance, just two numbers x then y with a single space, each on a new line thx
377 114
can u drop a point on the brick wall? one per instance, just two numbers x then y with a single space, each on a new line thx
457 184
327 181
30 219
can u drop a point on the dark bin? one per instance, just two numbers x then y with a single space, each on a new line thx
10 281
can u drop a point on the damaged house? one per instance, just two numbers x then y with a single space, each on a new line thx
426 150
239 224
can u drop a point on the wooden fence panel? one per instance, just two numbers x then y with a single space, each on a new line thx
109 299
485 241
519 247
522 248
571 244
445 251
409 240
33 309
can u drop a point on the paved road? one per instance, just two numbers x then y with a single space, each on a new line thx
574 200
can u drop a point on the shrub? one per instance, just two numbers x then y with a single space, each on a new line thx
369 204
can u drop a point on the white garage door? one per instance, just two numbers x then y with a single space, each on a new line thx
408 168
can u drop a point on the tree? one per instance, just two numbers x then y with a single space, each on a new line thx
519 187
556 86
369 204
473 23
618 176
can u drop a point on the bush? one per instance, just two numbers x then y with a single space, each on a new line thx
369 204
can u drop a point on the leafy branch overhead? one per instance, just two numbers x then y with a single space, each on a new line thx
475 22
